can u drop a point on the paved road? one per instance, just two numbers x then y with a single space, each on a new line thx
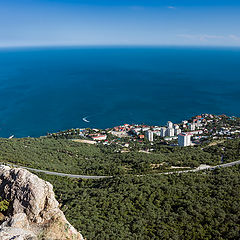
206 168
98 177
56 173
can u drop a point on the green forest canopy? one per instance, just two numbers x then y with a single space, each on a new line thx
204 205
64 155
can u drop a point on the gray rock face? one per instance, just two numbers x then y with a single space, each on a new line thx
33 212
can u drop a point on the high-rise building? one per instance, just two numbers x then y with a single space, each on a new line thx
149 135
184 139
170 132
169 124
163 132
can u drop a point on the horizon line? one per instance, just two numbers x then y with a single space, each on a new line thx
116 45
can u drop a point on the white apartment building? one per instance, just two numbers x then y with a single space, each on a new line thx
169 124
163 132
170 132
184 139
149 135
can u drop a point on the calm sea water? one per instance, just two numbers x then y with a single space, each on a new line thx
46 90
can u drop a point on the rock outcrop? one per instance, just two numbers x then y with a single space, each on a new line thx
33 211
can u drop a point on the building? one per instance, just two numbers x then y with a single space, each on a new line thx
99 137
184 139
169 124
196 132
176 126
170 138
163 132
191 126
149 136
170 132
177 131
136 131
158 133
144 129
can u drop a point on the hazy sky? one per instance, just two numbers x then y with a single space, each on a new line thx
123 22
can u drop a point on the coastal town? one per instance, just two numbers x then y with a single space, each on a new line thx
194 131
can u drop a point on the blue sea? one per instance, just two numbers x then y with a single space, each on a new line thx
50 89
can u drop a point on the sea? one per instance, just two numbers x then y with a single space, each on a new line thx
44 90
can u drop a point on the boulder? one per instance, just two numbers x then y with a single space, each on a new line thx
33 211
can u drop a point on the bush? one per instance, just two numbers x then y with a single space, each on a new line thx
4 204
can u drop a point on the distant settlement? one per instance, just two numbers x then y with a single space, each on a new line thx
190 132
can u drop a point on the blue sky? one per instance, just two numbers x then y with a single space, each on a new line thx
125 22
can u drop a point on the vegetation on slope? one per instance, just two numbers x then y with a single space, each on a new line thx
202 205
64 155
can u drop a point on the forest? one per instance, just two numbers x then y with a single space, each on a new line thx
202 205
66 156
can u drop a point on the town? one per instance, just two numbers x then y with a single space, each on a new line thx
195 131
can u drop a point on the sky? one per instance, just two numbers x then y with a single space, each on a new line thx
119 22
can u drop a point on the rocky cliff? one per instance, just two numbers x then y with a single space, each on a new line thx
33 212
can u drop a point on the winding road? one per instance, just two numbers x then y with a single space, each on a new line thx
200 168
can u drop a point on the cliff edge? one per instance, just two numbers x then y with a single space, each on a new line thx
33 211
